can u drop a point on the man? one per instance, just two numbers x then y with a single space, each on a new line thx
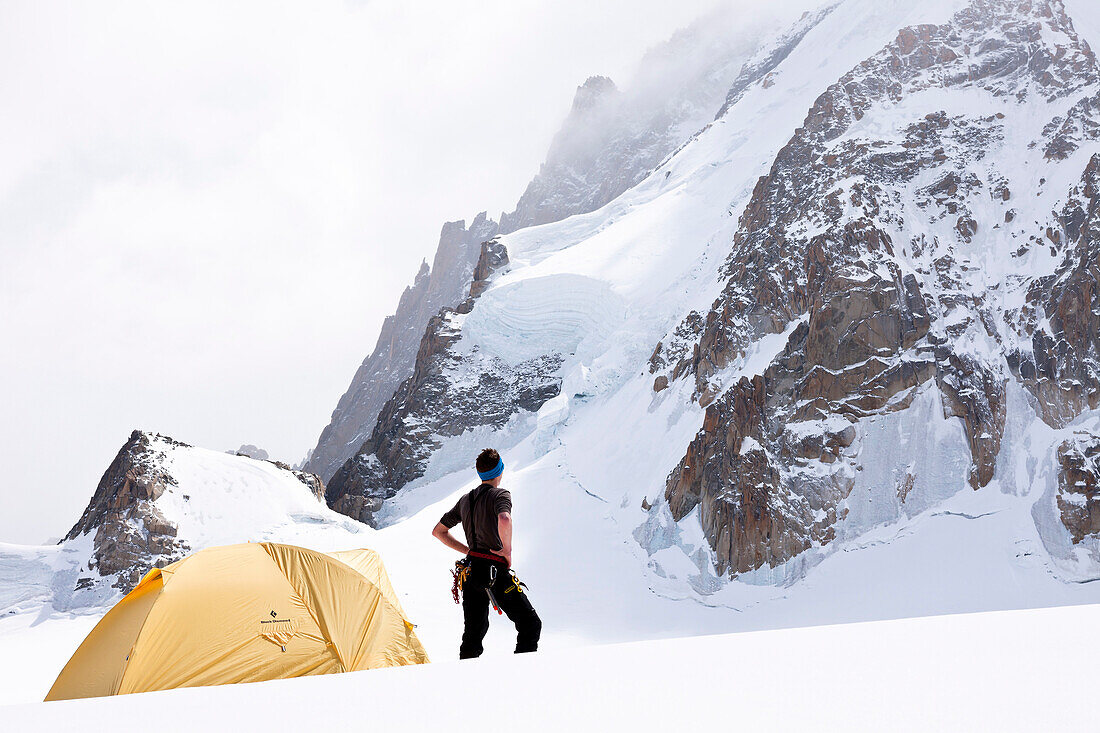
486 517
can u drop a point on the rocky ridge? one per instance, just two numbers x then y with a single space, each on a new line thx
450 393
613 138
129 531
131 535
441 286
764 61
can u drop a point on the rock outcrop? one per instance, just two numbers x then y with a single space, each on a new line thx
126 518
251 451
130 534
449 393
378 377
1079 485
1062 366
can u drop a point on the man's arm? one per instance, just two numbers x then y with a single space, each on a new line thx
504 528
443 534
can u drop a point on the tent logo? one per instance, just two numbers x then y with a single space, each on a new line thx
273 614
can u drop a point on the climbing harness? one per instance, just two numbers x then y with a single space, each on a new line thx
461 574
485 556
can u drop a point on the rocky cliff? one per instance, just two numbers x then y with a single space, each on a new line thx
902 238
442 285
160 498
451 392
130 533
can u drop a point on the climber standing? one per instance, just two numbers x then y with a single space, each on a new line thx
485 576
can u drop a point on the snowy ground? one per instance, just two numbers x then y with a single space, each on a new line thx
1003 671
36 647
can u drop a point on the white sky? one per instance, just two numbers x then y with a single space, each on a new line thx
207 209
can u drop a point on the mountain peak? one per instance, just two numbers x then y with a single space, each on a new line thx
161 498
594 91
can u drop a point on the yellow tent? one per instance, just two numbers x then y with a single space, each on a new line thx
244 613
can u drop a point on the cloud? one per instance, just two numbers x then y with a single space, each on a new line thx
206 209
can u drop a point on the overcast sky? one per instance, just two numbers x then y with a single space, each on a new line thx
207 209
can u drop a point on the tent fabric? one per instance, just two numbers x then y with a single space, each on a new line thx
95 669
368 563
244 613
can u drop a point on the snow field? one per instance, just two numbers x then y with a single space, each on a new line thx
1002 671
35 647
224 499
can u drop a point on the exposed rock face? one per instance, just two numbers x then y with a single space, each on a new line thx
868 245
393 358
312 481
1079 486
131 535
1062 367
449 393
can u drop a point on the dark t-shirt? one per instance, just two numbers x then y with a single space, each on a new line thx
477 511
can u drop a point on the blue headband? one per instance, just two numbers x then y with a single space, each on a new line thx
493 472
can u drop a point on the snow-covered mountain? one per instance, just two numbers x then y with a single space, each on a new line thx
830 357
924 243
865 288
158 500
610 140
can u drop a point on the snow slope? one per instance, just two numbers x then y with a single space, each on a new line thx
1005 671
223 499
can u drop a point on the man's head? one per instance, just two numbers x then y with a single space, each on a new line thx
489 466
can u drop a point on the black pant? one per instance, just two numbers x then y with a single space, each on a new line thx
475 609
